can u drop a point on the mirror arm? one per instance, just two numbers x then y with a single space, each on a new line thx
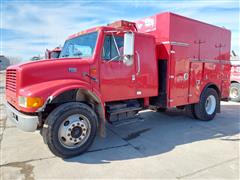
115 44
113 59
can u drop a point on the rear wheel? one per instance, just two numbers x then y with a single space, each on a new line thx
206 109
235 92
189 109
161 109
70 129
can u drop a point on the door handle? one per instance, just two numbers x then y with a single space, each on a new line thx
139 65
87 75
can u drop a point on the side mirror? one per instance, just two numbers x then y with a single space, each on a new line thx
47 54
128 44
128 48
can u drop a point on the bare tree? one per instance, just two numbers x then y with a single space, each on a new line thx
14 59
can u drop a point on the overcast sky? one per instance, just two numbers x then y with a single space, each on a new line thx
29 27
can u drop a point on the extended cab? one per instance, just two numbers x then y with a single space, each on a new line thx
109 73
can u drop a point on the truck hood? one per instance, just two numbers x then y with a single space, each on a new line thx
48 70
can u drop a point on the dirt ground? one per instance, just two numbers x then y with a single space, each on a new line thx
156 145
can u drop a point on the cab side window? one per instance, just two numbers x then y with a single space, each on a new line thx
109 50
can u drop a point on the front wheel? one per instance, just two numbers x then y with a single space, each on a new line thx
206 109
235 92
70 129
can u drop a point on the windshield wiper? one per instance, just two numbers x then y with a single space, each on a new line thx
66 55
78 54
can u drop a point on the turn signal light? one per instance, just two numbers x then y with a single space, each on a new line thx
30 102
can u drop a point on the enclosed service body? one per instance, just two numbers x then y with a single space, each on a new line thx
109 73
194 54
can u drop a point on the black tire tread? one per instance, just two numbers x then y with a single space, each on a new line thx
189 109
161 110
199 108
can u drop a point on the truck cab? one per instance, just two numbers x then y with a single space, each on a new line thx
53 54
109 73
91 71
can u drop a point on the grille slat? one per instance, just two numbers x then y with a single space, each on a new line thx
11 78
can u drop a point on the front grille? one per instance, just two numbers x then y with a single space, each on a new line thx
11 78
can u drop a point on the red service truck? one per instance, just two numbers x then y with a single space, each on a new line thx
110 73
234 94
53 54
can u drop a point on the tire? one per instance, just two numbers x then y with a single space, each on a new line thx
161 110
206 109
235 92
189 109
70 129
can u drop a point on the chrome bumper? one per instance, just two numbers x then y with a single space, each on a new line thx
24 122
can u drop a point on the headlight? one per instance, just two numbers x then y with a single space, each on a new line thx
30 102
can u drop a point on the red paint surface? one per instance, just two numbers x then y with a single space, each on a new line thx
114 79
235 73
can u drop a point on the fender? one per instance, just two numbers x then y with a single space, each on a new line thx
214 86
50 89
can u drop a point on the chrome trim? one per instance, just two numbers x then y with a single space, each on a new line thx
115 43
139 65
211 61
24 122
175 43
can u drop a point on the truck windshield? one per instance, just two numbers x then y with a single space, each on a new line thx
81 46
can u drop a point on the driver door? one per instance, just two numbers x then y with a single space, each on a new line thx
116 77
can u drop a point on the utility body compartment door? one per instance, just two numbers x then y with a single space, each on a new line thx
178 76
195 81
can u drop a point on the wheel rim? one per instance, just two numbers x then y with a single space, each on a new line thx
234 92
210 104
74 131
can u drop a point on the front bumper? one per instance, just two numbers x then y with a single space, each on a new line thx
24 122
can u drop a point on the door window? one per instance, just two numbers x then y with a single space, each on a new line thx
110 50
